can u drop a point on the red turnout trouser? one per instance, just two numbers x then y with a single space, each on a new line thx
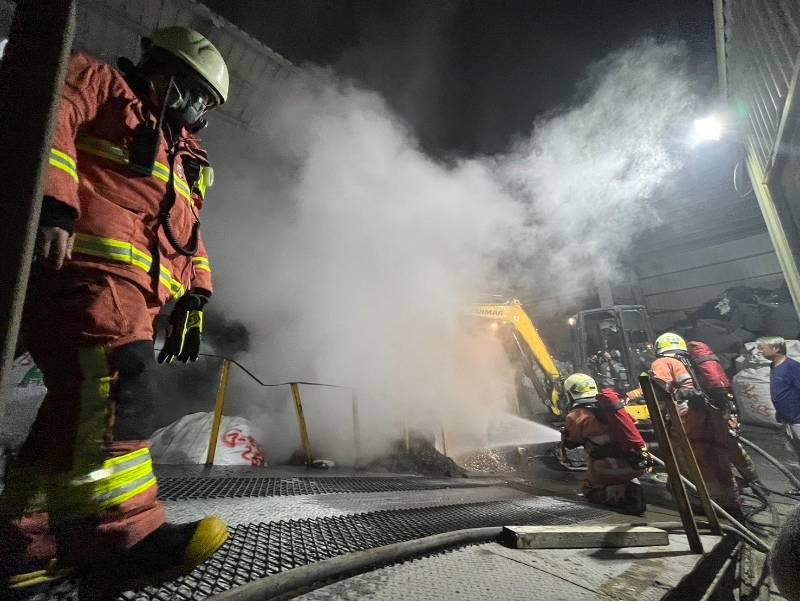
607 479
82 484
707 431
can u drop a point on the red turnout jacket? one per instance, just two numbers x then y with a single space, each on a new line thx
117 225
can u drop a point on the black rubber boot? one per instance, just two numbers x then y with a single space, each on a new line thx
171 551
634 502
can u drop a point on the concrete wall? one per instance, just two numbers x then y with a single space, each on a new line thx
108 29
711 237
676 283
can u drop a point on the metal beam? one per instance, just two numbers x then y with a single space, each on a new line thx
775 227
681 442
666 451
789 120
219 408
719 27
31 75
301 423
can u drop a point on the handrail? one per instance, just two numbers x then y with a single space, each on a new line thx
222 392
264 384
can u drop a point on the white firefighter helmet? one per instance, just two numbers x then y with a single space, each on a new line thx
669 343
580 387
195 50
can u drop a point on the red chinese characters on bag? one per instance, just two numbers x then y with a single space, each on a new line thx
251 451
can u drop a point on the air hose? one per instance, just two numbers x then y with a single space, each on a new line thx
165 216
738 527
187 251
780 467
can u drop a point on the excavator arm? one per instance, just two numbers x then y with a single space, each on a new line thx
511 313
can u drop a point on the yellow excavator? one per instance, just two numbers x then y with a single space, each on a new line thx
612 344
536 364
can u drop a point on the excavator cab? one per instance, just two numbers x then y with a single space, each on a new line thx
614 345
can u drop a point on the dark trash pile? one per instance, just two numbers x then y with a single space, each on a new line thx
739 315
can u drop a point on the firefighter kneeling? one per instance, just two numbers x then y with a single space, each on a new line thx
617 452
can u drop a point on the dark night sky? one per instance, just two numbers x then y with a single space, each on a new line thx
468 75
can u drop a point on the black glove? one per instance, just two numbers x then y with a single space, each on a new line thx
641 460
566 442
185 330
697 399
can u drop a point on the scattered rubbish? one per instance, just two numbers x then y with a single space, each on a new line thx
490 461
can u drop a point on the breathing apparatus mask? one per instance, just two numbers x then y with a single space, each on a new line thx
185 96
187 100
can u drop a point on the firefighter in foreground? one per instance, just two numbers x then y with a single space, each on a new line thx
704 418
617 453
118 239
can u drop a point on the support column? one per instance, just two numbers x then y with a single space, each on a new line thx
31 75
775 227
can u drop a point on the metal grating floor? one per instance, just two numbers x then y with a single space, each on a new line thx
260 549
179 489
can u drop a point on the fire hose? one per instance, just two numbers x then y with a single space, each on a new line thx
739 528
780 467
322 573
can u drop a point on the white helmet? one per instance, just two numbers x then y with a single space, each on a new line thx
198 53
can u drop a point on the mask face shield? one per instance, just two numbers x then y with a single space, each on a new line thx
187 95
189 99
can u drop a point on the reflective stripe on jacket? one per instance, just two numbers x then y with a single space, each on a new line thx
125 252
118 225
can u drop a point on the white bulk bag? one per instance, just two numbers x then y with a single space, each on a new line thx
186 441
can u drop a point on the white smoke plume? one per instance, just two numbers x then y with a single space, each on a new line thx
352 257
586 174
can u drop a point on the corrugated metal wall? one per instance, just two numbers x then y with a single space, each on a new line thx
758 53
761 52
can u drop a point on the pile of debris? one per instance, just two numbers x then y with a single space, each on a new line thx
738 316
418 455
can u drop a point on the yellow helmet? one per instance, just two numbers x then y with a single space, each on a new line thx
669 343
580 386
196 51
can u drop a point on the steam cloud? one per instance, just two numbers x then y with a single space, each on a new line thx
352 257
